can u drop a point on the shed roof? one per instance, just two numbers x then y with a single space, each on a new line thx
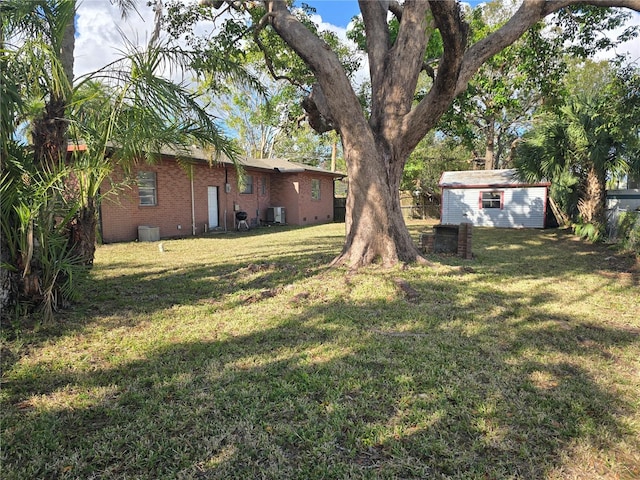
486 179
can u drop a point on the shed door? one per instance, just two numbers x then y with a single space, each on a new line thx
212 195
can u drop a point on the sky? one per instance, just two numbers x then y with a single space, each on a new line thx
336 12
100 29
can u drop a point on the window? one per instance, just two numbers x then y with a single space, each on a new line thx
147 188
245 184
315 189
491 199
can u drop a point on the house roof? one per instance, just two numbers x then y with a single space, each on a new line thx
486 179
210 156
268 164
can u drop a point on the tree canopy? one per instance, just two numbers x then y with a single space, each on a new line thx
378 141
593 136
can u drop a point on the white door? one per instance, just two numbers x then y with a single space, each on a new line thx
213 206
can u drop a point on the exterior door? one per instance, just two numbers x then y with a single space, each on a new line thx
212 195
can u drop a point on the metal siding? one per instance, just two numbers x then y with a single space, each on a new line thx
623 199
460 205
523 207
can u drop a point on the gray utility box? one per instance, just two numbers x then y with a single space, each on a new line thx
148 234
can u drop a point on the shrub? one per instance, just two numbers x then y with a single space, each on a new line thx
591 231
628 228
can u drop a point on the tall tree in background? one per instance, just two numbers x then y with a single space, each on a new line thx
595 134
501 98
267 121
377 144
258 119
431 157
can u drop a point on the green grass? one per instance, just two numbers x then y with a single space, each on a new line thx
243 356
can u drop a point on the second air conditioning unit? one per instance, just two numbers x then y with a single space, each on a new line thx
276 215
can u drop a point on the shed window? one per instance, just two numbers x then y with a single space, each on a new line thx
491 199
315 189
245 184
147 188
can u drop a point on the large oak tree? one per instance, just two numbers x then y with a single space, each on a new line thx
378 142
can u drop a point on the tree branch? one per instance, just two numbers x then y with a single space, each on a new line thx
377 37
405 59
529 13
454 33
264 21
396 9
324 64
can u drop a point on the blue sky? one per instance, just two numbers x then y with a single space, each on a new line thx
340 12
336 12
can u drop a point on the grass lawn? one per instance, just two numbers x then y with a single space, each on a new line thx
242 356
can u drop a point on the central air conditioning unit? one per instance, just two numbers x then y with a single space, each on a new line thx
276 215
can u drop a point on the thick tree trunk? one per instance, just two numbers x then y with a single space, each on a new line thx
49 135
376 144
376 231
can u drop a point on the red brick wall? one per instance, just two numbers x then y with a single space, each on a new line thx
120 218
284 193
311 210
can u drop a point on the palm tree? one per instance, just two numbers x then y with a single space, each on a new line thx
126 112
576 148
34 85
138 112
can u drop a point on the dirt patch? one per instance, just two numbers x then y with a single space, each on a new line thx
410 294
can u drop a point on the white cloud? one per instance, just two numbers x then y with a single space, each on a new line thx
631 48
99 33
362 75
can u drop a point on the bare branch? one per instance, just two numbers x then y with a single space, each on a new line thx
529 13
322 61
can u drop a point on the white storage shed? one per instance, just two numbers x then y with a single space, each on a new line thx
493 198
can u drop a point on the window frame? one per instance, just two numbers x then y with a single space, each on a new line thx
147 190
316 191
496 202
245 185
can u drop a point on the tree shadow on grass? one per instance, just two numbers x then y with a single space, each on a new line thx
145 289
464 381
382 388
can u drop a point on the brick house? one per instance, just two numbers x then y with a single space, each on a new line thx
191 195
